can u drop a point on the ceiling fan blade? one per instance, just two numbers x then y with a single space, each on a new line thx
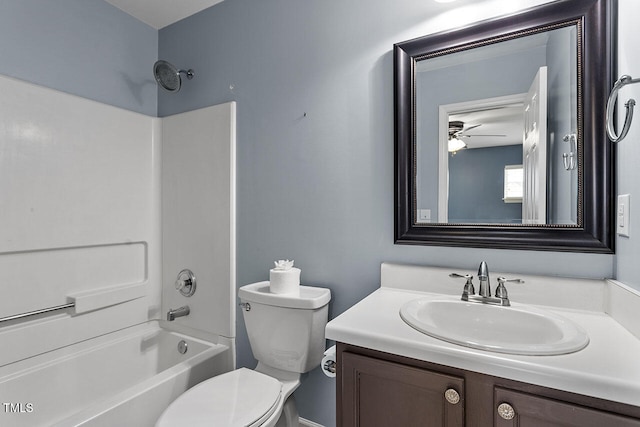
469 136
471 127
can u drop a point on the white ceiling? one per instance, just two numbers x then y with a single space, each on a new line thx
160 13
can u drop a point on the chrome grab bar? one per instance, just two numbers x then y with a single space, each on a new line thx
622 81
90 300
35 312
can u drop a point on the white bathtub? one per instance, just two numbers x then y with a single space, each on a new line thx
126 378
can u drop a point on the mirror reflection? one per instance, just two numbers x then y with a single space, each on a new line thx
497 133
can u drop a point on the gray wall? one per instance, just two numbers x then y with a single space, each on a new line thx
319 189
476 185
628 249
83 47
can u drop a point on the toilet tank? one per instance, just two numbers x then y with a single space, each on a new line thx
286 331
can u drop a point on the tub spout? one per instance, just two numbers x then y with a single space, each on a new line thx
178 312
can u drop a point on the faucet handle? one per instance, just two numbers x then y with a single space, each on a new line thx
186 283
501 290
468 286
503 280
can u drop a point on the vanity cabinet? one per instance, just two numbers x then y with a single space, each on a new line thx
377 392
381 389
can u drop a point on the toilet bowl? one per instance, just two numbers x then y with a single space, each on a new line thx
238 398
286 332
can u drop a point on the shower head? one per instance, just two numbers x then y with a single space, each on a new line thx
168 76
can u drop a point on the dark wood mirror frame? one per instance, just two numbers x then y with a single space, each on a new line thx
596 154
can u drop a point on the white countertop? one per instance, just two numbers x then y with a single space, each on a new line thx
608 368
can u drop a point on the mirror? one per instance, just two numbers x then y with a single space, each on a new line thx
474 127
499 132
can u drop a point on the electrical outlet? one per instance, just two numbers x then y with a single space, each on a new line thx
424 215
623 214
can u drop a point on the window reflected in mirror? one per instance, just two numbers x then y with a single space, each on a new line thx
513 183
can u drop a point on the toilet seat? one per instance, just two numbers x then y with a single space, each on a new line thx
238 398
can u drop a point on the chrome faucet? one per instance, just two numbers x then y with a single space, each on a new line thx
484 296
178 312
483 277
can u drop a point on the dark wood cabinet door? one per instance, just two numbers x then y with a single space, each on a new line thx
381 393
535 411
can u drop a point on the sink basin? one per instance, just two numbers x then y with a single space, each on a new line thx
517 329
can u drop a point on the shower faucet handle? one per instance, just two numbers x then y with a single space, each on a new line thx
186 283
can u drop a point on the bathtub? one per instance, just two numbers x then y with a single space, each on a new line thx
125 378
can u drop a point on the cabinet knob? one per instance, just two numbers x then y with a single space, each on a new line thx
452 396
506 411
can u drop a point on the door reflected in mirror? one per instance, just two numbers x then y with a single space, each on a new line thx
485 111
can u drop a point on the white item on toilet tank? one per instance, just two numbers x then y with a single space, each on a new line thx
286 332
284 278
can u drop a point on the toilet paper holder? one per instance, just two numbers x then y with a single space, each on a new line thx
328 364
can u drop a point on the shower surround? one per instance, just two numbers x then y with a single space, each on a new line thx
81 210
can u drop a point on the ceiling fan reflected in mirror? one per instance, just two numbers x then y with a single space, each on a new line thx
457 130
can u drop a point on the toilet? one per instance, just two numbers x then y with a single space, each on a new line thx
286 332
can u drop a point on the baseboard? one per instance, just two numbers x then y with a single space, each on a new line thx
307 423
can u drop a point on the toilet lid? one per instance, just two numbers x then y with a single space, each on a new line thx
238 398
